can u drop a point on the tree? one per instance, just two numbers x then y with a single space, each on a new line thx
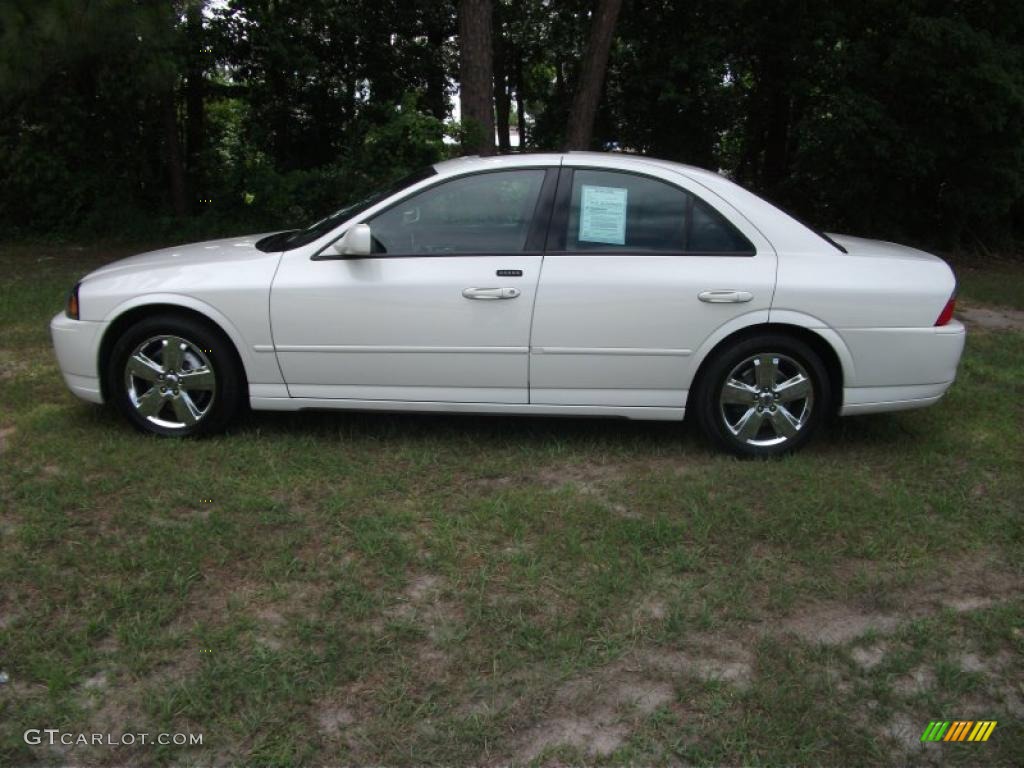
476 65
894 120
502 95
196 58
591 81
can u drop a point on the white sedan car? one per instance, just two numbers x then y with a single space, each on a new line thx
577 284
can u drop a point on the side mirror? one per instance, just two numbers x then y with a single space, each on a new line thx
358 241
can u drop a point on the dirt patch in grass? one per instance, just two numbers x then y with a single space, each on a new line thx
586 478
969 585
270 623
651 609
422 604
596 713
707 658
869 657
12 365
905 730
596 735
422 587
334 719
837 624
6 433
918 680
992 318
591 480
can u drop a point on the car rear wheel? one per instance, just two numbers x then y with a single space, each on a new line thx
175 376
764 396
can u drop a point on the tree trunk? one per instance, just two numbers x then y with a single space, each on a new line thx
475 74
436 98
595 62
502 97
776 142
195 123
520 102
172 146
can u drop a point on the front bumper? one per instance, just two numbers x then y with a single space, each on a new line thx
77 344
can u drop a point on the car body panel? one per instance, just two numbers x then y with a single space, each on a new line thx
76 343
227 281
611 330
401 329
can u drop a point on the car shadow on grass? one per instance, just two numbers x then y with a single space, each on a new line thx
656 436
894 431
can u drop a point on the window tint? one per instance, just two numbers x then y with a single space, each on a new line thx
483 213
710 233
286 241
624 213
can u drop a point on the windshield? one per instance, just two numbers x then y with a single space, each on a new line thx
294 238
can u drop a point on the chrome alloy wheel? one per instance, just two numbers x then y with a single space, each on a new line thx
170 382
766 399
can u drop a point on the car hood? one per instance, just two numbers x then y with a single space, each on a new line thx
862 246
208 252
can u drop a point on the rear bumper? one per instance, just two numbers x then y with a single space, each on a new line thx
76 344
881 399
898 369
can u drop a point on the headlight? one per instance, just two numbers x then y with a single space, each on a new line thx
71 308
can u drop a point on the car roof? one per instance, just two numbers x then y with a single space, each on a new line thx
519 159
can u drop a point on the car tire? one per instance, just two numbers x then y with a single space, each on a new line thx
175 376
764 396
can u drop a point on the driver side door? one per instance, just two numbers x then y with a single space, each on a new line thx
439 312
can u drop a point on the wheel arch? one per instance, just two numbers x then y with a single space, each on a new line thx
126 315
824 341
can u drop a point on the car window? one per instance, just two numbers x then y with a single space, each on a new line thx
286 241
628 213
482 213
709 232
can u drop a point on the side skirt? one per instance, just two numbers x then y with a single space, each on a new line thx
400 406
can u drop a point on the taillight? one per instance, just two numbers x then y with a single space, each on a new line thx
947 311
71 310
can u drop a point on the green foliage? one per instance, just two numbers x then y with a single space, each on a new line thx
920 130
405 141
897 120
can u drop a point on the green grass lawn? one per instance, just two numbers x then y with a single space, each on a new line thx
352 589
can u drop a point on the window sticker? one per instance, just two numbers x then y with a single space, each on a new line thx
603 215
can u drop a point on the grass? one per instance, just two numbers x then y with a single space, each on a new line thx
375 589
999 283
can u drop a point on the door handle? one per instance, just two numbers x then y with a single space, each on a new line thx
725 297
490 294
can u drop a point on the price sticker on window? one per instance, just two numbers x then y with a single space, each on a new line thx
603 215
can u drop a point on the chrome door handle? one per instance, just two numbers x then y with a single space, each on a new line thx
490 294
725 297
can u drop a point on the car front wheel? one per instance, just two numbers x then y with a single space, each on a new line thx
764 396
174 376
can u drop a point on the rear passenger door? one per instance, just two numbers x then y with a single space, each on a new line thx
640 269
